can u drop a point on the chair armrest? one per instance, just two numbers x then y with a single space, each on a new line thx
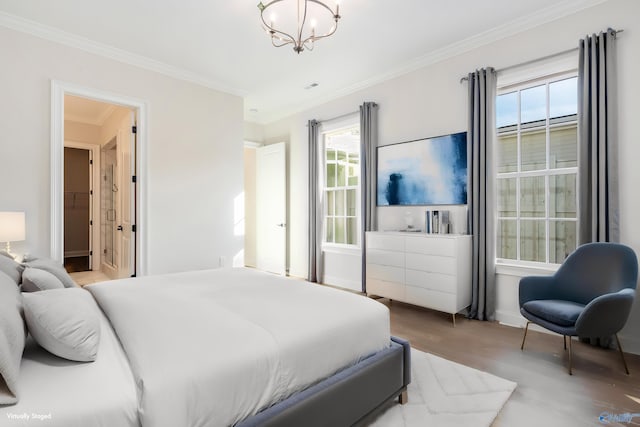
606 314
535 287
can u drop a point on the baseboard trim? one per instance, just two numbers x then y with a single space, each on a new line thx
630 344
342 283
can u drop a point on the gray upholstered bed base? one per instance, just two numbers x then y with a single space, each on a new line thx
346 398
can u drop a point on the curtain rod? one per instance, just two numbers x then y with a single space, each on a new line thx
341 116
553 55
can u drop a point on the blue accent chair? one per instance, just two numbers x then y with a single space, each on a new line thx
590 295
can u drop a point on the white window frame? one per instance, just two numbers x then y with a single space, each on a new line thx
332 246
512 86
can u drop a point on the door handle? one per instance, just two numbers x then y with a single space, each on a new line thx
119 228
282 224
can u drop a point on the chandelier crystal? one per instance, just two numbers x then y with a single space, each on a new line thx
313 19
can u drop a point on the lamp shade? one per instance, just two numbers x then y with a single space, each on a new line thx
12 226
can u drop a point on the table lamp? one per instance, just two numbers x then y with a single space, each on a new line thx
12 228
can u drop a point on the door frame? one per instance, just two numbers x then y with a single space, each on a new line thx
96 258
58 91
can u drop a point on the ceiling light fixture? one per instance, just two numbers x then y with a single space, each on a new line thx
318 13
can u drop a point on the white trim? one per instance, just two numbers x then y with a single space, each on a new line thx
58 90
46 32
333 248
96 259
630 343
252 144
526 270
349 285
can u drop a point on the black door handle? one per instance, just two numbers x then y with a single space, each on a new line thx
119 228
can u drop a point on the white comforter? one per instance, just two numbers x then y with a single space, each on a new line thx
211 348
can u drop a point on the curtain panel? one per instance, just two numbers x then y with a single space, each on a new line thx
482 197
368 167
315 266
598 140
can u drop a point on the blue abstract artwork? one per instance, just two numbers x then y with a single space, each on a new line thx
430 171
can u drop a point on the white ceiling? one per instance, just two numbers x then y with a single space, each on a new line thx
87 111
221 43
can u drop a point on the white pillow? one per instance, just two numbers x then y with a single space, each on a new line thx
54 268
65 322
34 280
11 268
12 336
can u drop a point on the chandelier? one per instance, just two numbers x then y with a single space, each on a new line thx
313 17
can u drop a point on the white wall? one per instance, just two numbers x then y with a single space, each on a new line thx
194 150
431 101
250 206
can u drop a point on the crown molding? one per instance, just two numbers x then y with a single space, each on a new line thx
55 35
511 28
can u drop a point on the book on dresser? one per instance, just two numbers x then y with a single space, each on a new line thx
429 270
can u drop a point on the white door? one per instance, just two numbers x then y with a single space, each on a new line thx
126 195
271 208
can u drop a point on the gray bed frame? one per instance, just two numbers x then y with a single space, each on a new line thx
348 398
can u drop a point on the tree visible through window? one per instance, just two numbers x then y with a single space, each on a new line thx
342 186
536 171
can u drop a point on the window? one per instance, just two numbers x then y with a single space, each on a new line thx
537 165
342 186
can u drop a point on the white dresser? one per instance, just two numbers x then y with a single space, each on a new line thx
429 270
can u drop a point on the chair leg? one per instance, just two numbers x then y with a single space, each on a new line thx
565 341
622 354
526 328
570 373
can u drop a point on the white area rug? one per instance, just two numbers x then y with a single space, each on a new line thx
445 393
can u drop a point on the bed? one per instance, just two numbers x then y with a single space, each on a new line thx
219 348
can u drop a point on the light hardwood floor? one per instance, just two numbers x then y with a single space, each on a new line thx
546 394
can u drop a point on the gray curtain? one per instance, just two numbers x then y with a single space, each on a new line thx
315 205
598 140
368 167
481 198
598 145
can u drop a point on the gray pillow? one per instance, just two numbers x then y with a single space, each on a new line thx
12 337
64 322
34 280
54 268
11 268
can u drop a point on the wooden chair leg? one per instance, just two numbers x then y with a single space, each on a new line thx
403 398
622 355
526 328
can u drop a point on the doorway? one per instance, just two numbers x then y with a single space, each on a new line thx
78 204
99 176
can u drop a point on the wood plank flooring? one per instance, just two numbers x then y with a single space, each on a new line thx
546 394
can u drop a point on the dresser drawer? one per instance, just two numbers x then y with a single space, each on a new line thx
431 245
431 263
385 241
384 257
431 281
385 272
386 289
441 301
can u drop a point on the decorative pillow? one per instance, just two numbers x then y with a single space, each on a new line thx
65 322
29 258
34 280
54 268
12 337
11 268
